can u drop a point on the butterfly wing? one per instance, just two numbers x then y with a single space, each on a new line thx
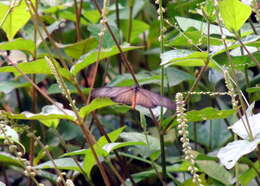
125 97
144 99
110 92
156 100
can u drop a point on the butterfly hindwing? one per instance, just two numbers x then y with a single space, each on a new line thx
158 100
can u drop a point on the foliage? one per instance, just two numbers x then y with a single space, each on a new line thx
53 53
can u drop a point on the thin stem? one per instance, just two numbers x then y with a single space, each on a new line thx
122 54
161 133
78 13
247 51
130 21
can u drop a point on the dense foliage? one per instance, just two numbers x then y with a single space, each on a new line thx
202 55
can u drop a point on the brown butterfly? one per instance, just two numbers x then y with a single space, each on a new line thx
134 96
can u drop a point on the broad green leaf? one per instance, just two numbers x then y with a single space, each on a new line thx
113 146
18 44
94 105
186 23
113 136
216 50
69 14
180 167
13 18
75 50
215 171
39 66
55 89
185 58
48 116
9 159
7 86
189 181
107 40
212 134
92 15
173 77
8 131
253 89
124 10
91 57
89 160
234 14
246 177
138 27
62 164
192 37
11 134
208 113
152 146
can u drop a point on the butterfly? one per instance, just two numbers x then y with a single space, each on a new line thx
134 96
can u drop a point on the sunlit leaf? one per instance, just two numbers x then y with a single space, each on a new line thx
91 57
39 66
18 44
216 171
234 14
94 105
62 164
13 18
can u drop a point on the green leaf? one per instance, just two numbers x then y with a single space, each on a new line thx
89 160
92 15
62 164
18 44
75 50
48 116
234 14
55 89
39 66
9 159
192 37
212 134
94 105
138 27
152 146
208 113
253 89
107 41
12 19
186 23
185 58
246 177
215 171
91 57
7 86
11 134
113 146
173 77
8 131
180 167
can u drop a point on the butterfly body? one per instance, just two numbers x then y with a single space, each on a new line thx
134 96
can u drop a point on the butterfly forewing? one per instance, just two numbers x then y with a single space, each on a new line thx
133 96
125 97
144 100
110 92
